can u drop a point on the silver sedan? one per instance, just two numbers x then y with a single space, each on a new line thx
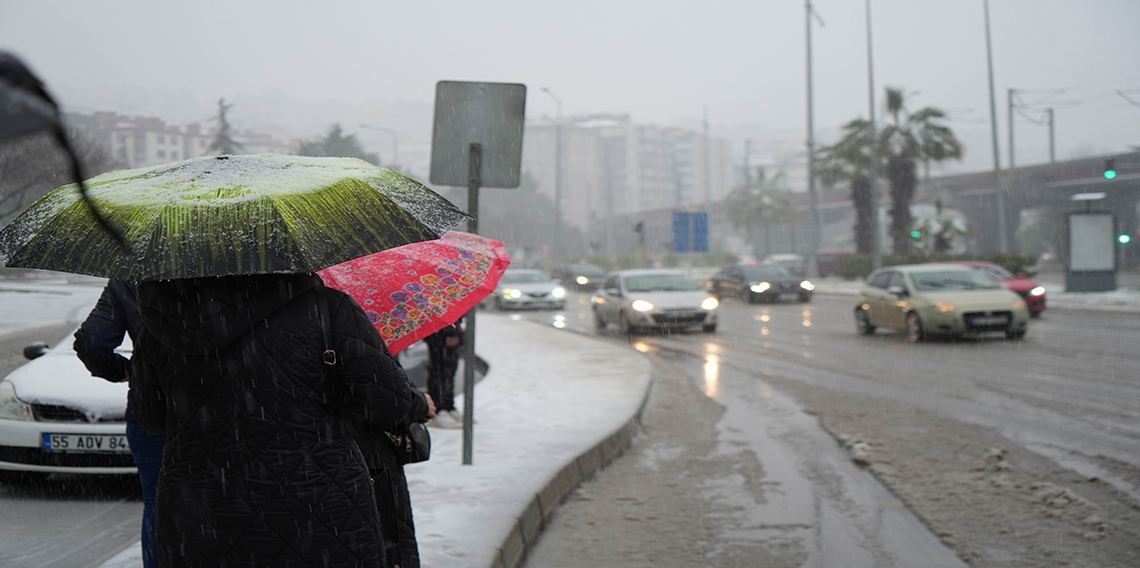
653 299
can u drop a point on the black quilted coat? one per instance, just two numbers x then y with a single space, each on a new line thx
261 465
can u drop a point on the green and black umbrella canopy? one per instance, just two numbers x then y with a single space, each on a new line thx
227 215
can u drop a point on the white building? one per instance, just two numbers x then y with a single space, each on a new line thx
614 167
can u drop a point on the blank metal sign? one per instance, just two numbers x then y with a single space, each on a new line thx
489 114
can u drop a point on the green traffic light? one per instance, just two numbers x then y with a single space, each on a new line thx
1109 174
1124 239
916 234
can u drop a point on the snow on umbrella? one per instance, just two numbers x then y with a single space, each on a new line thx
227 215
413 291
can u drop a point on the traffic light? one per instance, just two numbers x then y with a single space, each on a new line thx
1109 168
916 234
1124 239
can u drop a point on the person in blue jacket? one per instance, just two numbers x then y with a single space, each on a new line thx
115 315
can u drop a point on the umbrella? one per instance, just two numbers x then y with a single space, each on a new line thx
227 215
413 291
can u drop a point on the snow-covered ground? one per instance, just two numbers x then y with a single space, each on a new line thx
548 398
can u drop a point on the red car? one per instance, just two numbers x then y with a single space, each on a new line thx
1032 292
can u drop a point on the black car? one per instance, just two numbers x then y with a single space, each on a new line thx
760 283
579 276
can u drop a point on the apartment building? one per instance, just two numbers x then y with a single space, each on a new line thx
134 142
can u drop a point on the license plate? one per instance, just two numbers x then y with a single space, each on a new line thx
115 443
989 321
790 296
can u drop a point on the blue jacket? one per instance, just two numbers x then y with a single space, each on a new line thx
116 314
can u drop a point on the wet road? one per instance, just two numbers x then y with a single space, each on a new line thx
1069 390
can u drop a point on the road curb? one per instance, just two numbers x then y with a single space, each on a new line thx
530 523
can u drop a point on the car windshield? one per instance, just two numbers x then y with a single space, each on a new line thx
659 283
952 280
524 278
759 272
996 272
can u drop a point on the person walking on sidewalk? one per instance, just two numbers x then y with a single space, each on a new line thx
117 314
443 360
262 466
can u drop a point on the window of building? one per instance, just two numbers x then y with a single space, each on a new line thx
173 139
140 136
174 155
201 143
161 153
161 139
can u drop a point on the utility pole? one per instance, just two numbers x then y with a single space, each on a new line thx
1002 206
816 231
876 244
747 164
708 162
1052 152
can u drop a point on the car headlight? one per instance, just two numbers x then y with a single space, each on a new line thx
1019 304
807 285
641 305
11 407
710 303
512 294
945 307
582 280
559 292
1038 291
760 287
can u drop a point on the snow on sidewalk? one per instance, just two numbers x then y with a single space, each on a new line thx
549 397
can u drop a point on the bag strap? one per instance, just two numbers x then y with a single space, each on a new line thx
329 355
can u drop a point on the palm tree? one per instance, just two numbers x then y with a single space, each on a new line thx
759 202
849 160
910 138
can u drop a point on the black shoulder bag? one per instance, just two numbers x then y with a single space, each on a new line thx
413 443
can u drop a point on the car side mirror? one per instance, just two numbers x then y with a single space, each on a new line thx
898 291
614 292
35 350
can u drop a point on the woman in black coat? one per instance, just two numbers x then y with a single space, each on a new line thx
262 465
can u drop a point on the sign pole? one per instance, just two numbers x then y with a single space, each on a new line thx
474 162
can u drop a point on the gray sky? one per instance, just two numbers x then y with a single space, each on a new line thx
662 61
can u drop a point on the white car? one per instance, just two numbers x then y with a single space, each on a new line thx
57 418
645 299
526 288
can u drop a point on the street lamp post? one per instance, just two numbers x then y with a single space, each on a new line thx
1003 237
395 143
816 225
557 161
876 244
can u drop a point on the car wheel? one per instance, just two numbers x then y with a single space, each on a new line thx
498 304
805 298
914 330
863 323
599 323
709 328
1015 334
1035 315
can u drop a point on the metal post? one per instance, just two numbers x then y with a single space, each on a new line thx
1012 92
1052 149
876 244
747 164
1002 206
474 167
708 162
814 236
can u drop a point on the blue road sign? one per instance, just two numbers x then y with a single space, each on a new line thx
690 232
